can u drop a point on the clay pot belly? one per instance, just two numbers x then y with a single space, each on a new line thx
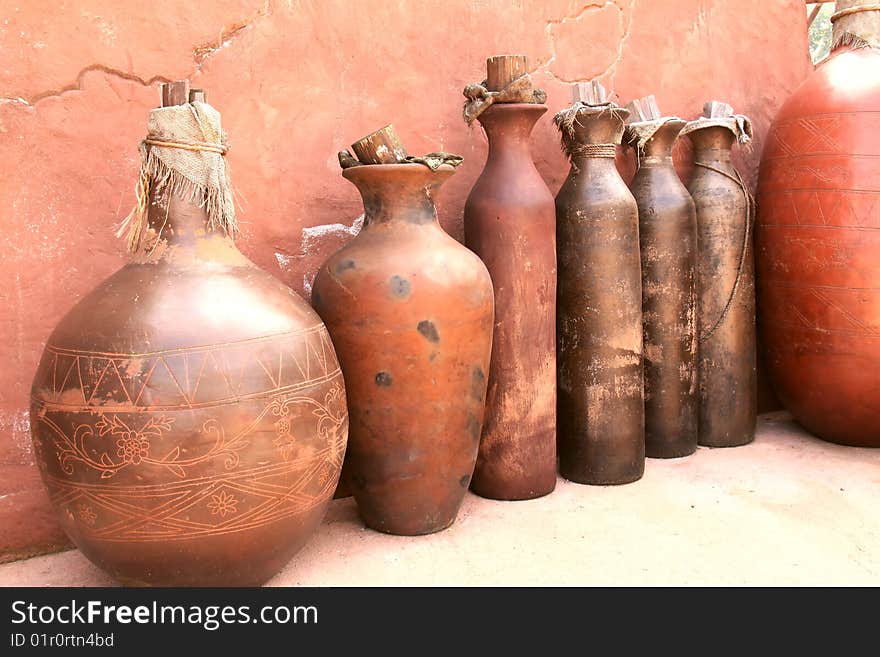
410 312
173 461
818 239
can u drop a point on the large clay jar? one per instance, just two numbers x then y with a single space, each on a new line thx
668 242
818 246
726 283
509 221
410 312
599 304
188 414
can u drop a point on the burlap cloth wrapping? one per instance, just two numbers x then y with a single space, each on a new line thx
638 133
432 160
479 98
566 119
182 154
739 124
856 24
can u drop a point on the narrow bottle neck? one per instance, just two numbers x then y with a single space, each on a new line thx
398 194
508 128
509 144
719 156
655 161
391 207
177 220
593 164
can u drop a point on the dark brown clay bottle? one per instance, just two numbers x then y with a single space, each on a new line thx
668 242
726 280
410 311
188 414
599 301
509 221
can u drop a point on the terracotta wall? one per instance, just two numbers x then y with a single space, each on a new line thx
296 81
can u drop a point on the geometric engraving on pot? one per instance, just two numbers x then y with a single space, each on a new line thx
806 135
830 317
826 208
853 325
173 379
217 503
793 173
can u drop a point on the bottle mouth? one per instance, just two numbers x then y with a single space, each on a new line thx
403 170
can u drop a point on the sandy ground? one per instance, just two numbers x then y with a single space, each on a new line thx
786 510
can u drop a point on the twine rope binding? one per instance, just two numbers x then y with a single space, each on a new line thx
593 150
853 10
750 210
186 145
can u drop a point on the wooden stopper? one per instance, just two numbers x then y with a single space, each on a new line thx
380 147
591 93
715 109
199 95
644 109
175 93
501 70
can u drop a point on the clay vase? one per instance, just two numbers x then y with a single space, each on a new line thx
410 311
668 243
726 291
509 221
188 415
818 241
599 311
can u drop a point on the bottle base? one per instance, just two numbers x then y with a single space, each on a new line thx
400 530
587 480
720 444
679 453
512 494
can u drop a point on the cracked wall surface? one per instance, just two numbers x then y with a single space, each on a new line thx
296 81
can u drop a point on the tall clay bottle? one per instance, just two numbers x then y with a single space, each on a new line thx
182 443
726 280
599 301
410 311
818 238
509 222
668 242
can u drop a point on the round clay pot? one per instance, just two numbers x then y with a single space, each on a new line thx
599 312
189 416
410 311
668 242
509 221
818 249
726 292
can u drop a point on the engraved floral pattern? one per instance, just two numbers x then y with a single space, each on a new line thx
331 415
132 447
87 514
223 504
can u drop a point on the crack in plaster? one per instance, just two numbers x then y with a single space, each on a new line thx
201 53
227 35
77 84
611 69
